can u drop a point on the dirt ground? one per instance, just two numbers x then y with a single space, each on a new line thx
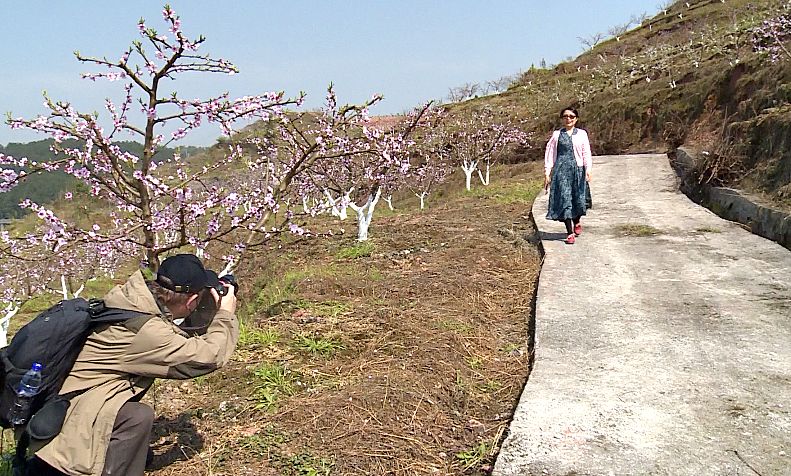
403 356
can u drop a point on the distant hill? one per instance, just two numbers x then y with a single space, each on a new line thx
46 187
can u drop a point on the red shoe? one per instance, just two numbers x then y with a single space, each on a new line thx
578 229
570 239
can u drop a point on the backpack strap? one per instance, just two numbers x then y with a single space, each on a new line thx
101 314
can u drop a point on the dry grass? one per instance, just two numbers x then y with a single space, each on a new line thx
428 337
636 229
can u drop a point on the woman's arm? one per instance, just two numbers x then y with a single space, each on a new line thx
587 156
550 154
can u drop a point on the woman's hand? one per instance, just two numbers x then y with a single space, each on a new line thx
546 182
587 176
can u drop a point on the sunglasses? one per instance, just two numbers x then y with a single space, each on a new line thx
568 116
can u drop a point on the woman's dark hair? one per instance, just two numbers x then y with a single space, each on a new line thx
569 109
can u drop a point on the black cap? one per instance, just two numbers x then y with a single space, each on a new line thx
186 274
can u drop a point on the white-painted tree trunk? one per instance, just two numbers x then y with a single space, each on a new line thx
469 167
339 205
365 214
228 268
484 181
389 200
65 288
422 196
10 311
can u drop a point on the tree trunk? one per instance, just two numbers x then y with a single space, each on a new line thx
469 168
422 198
365 214
484 181
10 312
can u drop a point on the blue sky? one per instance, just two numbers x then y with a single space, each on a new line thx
408 50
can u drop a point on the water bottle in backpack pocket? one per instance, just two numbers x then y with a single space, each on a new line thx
28 387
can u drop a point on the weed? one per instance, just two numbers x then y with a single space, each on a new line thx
455 326
325 308
375 275
360 249
272 382
317 345
264 442
511 347
474 456
250 335
490 386
474 362
634 229
201 381
307 465
460 380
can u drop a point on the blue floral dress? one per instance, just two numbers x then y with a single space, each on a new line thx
568 187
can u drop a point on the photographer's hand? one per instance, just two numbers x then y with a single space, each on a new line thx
227 302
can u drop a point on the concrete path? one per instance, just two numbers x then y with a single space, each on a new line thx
667 354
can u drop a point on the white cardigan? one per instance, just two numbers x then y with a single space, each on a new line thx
581 146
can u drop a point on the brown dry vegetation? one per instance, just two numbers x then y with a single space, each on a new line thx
403 356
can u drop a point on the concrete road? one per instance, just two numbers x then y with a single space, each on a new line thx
663 340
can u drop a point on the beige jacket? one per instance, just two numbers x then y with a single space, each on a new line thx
120 361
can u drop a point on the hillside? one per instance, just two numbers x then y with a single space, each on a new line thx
47 187
688 76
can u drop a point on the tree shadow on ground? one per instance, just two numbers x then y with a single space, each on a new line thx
174 439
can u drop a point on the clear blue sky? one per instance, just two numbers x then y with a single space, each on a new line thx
409 50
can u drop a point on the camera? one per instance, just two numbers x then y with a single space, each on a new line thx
227 279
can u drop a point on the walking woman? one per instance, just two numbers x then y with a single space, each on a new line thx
567 169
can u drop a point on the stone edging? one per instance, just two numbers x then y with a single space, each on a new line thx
732 205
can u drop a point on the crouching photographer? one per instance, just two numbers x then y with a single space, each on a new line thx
184 326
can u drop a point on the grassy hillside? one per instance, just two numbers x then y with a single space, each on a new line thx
47 187
687 76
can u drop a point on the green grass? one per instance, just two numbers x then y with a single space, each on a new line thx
508 193
474 456
362 249
489 386
273 381
253 336
329 309
474 362
511 347
268 444
455 326
280 292
264 442
305 464
637 230
325 347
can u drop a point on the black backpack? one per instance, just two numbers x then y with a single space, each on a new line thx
54 339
